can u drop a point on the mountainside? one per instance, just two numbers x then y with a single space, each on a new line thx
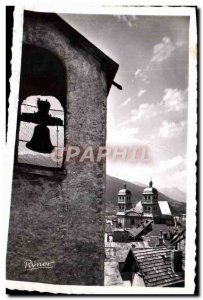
174 193
113 185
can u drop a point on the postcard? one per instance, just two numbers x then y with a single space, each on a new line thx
102 150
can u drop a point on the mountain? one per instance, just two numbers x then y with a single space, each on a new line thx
113 185
174 193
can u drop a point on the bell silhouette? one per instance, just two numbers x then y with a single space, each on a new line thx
40 141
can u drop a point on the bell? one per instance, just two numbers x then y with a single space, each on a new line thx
40 141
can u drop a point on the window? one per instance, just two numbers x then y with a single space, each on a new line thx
41 132
121 207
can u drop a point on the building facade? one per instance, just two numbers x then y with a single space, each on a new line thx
147 209
150 202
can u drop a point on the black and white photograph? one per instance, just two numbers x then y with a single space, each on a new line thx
102 125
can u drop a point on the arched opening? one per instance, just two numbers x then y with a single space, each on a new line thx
43 79
41 143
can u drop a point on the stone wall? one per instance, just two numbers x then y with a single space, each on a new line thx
62 219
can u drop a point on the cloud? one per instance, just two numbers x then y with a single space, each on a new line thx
144 111
172 173
176 163
124 123
171 129
141 92
167 173
120 135
174 99
163 50
141 75
126 102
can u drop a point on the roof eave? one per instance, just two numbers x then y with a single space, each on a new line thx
109 66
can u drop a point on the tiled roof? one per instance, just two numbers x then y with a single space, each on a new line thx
124 192
137 231
157 227
151 240
155 267
121 249
133 213
150 190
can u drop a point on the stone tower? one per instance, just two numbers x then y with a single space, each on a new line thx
124 199
150 201
124 204
58 215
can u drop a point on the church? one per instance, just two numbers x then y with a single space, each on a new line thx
149 208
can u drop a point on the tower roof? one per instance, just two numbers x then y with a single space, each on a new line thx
150 189
124 191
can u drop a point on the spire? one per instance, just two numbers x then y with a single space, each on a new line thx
124 186
151 182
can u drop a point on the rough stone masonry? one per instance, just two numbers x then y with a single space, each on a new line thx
57 217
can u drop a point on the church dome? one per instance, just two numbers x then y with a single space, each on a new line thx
124 191
150 189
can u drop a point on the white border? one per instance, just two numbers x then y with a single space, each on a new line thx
191 142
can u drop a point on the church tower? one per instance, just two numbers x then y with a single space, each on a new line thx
150 201
124 199
124 204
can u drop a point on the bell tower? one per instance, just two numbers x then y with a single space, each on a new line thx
150 201
61 66
124 199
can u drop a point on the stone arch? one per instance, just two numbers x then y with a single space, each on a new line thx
42 73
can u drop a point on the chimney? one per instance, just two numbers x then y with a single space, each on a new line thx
160 242
176 261
161 233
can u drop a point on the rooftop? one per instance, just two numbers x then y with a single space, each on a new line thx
132 212
150 190
119 251
155 267
178 237
135 232
124 192
157 227
164 207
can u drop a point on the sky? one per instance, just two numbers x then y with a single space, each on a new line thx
151 110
